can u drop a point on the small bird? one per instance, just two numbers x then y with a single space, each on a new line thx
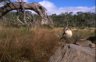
67 34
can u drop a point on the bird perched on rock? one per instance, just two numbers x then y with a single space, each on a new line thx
67 34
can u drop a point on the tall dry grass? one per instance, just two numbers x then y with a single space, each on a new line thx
17 45
34 45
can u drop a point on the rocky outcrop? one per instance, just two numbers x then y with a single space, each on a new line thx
73 53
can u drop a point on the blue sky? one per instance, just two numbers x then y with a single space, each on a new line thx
67 3
62 6
75 2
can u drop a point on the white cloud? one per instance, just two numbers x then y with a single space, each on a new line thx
78 9
49 6
52 8
25 0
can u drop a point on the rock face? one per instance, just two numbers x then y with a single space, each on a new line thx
85 43
73 53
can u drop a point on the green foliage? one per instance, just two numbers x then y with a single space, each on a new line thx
80 20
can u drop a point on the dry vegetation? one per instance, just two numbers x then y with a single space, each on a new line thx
35 45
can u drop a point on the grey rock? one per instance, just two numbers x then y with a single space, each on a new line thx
73 53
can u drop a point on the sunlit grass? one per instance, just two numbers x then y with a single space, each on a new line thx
33 45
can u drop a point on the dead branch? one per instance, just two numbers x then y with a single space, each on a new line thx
40 10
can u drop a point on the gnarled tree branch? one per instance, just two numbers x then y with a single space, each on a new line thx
40 10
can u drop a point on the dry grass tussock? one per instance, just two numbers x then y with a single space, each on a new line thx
35 45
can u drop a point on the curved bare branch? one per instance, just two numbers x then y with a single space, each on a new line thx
40 10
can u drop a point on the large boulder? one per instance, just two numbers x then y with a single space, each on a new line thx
73 53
